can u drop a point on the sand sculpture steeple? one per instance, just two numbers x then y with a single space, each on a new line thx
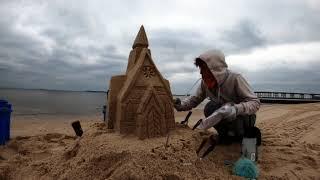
140 102
141 39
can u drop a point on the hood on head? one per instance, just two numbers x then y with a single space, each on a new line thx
215 61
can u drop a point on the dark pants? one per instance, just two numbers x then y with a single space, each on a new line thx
236 127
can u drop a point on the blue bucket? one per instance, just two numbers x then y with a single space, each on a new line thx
3 103
5 114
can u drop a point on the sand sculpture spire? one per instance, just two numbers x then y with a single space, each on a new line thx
141 39
140 101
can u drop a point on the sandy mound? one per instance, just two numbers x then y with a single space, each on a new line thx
101 154
290 150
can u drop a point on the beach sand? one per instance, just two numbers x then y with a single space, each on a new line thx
44 147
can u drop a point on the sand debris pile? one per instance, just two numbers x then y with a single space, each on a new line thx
100 154
290 150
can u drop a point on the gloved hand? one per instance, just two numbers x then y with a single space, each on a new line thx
227 112
177 104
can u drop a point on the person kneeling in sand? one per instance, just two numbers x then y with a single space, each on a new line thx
232 106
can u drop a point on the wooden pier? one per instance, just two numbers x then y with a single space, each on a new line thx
287 98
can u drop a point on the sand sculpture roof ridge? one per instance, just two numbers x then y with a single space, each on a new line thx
141 39
133 73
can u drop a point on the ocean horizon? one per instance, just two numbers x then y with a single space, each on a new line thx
53 102
58 102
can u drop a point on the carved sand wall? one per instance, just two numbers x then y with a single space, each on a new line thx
140 102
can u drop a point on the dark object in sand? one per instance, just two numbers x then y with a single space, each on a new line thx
167 141
197 124
104 112
187 118
77 128
210 143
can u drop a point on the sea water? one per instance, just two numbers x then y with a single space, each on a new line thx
53 102
33 102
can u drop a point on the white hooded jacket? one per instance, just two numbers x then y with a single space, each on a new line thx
231 88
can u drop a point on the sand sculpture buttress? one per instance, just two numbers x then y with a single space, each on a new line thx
140 102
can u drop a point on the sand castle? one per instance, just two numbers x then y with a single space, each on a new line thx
140 102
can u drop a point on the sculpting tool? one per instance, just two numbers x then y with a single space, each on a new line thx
197 124
187 118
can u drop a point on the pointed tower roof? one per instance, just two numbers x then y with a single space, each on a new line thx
141 39
134 73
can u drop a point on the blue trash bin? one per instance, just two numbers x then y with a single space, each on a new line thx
8 121
5 114
3 102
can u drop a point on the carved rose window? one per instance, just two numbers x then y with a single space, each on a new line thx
148 71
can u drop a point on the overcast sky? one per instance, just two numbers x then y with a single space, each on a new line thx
79 45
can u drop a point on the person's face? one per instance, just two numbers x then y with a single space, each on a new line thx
207 76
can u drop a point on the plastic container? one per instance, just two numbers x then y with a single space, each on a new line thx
250 143
249 148
5 115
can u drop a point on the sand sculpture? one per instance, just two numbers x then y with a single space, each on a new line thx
140 102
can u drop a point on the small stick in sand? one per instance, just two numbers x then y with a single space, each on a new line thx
167 141
73 150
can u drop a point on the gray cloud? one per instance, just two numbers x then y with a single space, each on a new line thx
285 78
287 21
242 37
28 62
80 45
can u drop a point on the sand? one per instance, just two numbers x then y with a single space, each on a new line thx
44 147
